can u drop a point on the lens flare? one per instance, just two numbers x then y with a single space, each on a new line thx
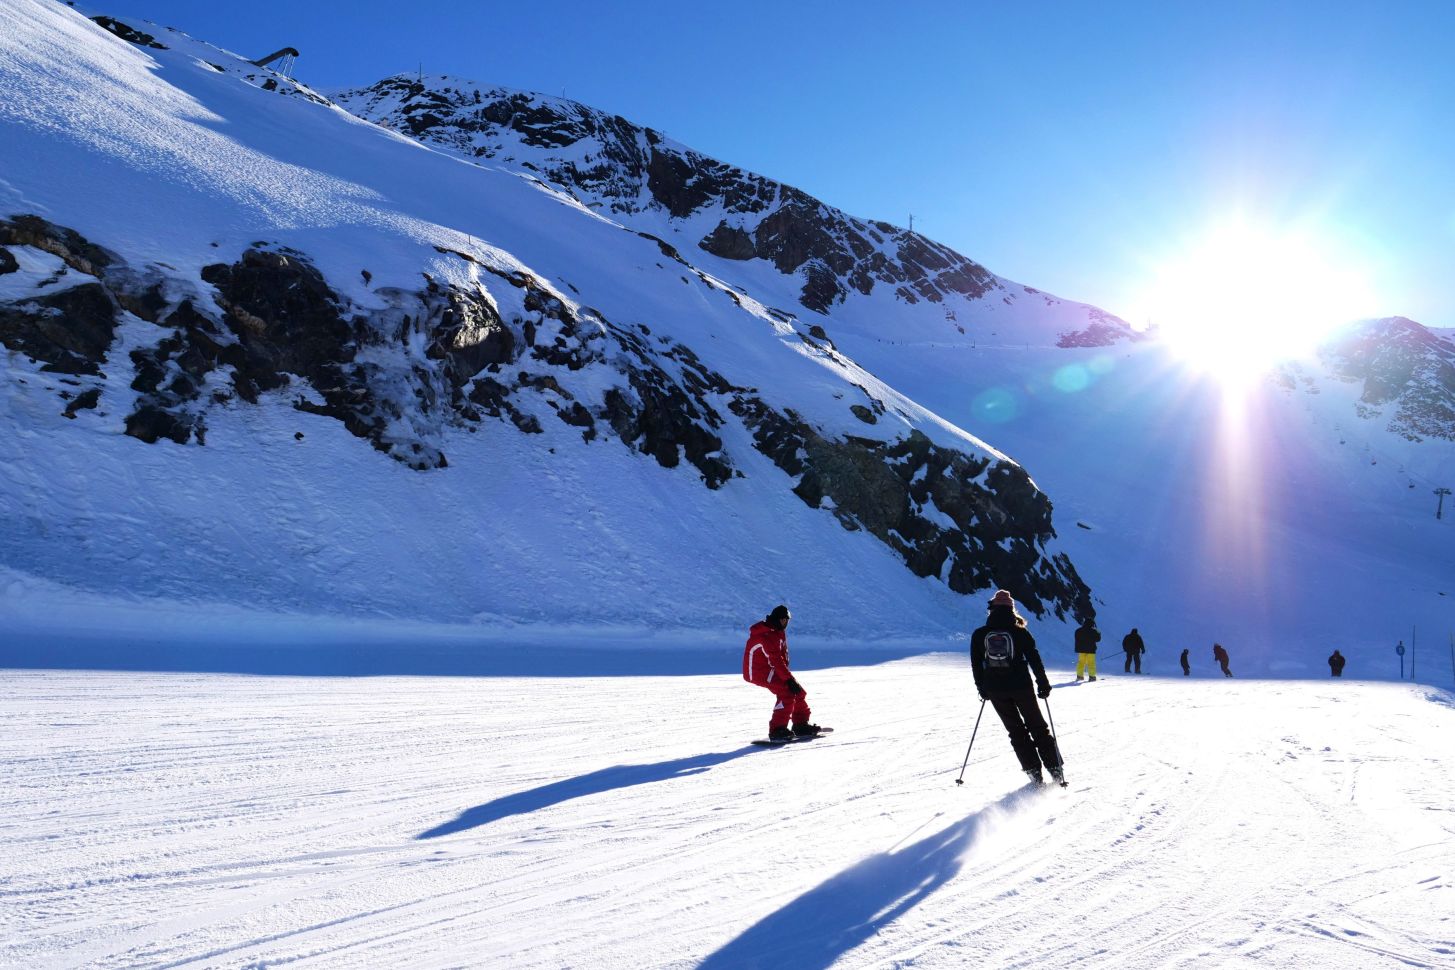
1243 298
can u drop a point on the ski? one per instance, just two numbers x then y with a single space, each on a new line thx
766 743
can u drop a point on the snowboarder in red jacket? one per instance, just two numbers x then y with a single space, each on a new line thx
1221 656
765 663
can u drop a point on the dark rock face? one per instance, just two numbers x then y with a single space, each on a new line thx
667 418
84 401
285 319
70 331
7 262
1000 520
1103 331
729 242
67 244
129 34
629 169
1403 367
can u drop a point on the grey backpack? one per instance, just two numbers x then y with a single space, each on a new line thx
999 648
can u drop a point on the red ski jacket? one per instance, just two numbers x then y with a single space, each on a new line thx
765 657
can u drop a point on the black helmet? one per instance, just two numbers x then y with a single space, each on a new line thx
780 614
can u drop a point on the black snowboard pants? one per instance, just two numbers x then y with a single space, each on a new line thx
1028 732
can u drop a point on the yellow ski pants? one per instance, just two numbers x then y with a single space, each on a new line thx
1086 662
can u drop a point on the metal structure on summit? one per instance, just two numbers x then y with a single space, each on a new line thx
284 57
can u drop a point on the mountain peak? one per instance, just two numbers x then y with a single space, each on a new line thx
640 177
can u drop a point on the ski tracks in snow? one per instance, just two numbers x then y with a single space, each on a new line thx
190 820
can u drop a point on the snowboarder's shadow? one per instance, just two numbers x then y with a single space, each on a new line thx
607 779
823 924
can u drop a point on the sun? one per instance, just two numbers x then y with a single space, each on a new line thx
1241 298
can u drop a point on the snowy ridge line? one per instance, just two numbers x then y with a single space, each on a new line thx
662 187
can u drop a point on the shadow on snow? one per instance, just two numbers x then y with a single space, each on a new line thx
823 924
595 783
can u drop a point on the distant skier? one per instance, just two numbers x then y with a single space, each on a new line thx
1003 658
1221 656
1336 664
765 663
1133 647
1087 637
1186 667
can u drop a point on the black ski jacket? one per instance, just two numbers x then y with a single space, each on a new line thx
1015 678
1087 637
1132 643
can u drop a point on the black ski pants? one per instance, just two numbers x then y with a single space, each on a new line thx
1133 658
1028 732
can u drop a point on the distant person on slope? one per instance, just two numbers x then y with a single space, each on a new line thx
1003 658
1336 664
1087 637
1133 647
1186 667
765 663
1221 656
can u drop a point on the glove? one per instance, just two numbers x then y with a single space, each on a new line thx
1045 691
983 698
793 687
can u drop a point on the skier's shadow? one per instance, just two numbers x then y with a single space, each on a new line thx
607 779
823 924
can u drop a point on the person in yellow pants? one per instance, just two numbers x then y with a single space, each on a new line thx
1087 637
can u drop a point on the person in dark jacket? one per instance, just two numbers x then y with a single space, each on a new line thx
1003 658
1221 656
1186 667
1133 647
1336 664
1087 637
765 663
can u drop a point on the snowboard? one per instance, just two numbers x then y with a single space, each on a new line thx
765 743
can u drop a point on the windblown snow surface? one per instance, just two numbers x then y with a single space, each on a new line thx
622 821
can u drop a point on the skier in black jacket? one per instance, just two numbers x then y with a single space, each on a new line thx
1133 647
1003 657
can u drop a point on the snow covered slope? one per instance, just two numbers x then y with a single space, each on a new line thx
1283 523
586 427
196 821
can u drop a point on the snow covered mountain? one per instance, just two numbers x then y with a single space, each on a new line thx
644 179
216 281
1196 514
523 362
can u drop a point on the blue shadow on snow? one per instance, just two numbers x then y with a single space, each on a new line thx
607 779
819 927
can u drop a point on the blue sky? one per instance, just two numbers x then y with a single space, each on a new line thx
1072 147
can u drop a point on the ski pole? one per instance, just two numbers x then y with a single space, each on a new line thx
1054 740
961 779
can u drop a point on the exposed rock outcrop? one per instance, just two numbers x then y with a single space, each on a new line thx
962 519
1405 370
605 160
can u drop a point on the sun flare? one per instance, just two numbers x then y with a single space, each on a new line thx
1241 299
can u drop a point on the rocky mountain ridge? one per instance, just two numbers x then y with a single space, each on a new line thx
645 179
